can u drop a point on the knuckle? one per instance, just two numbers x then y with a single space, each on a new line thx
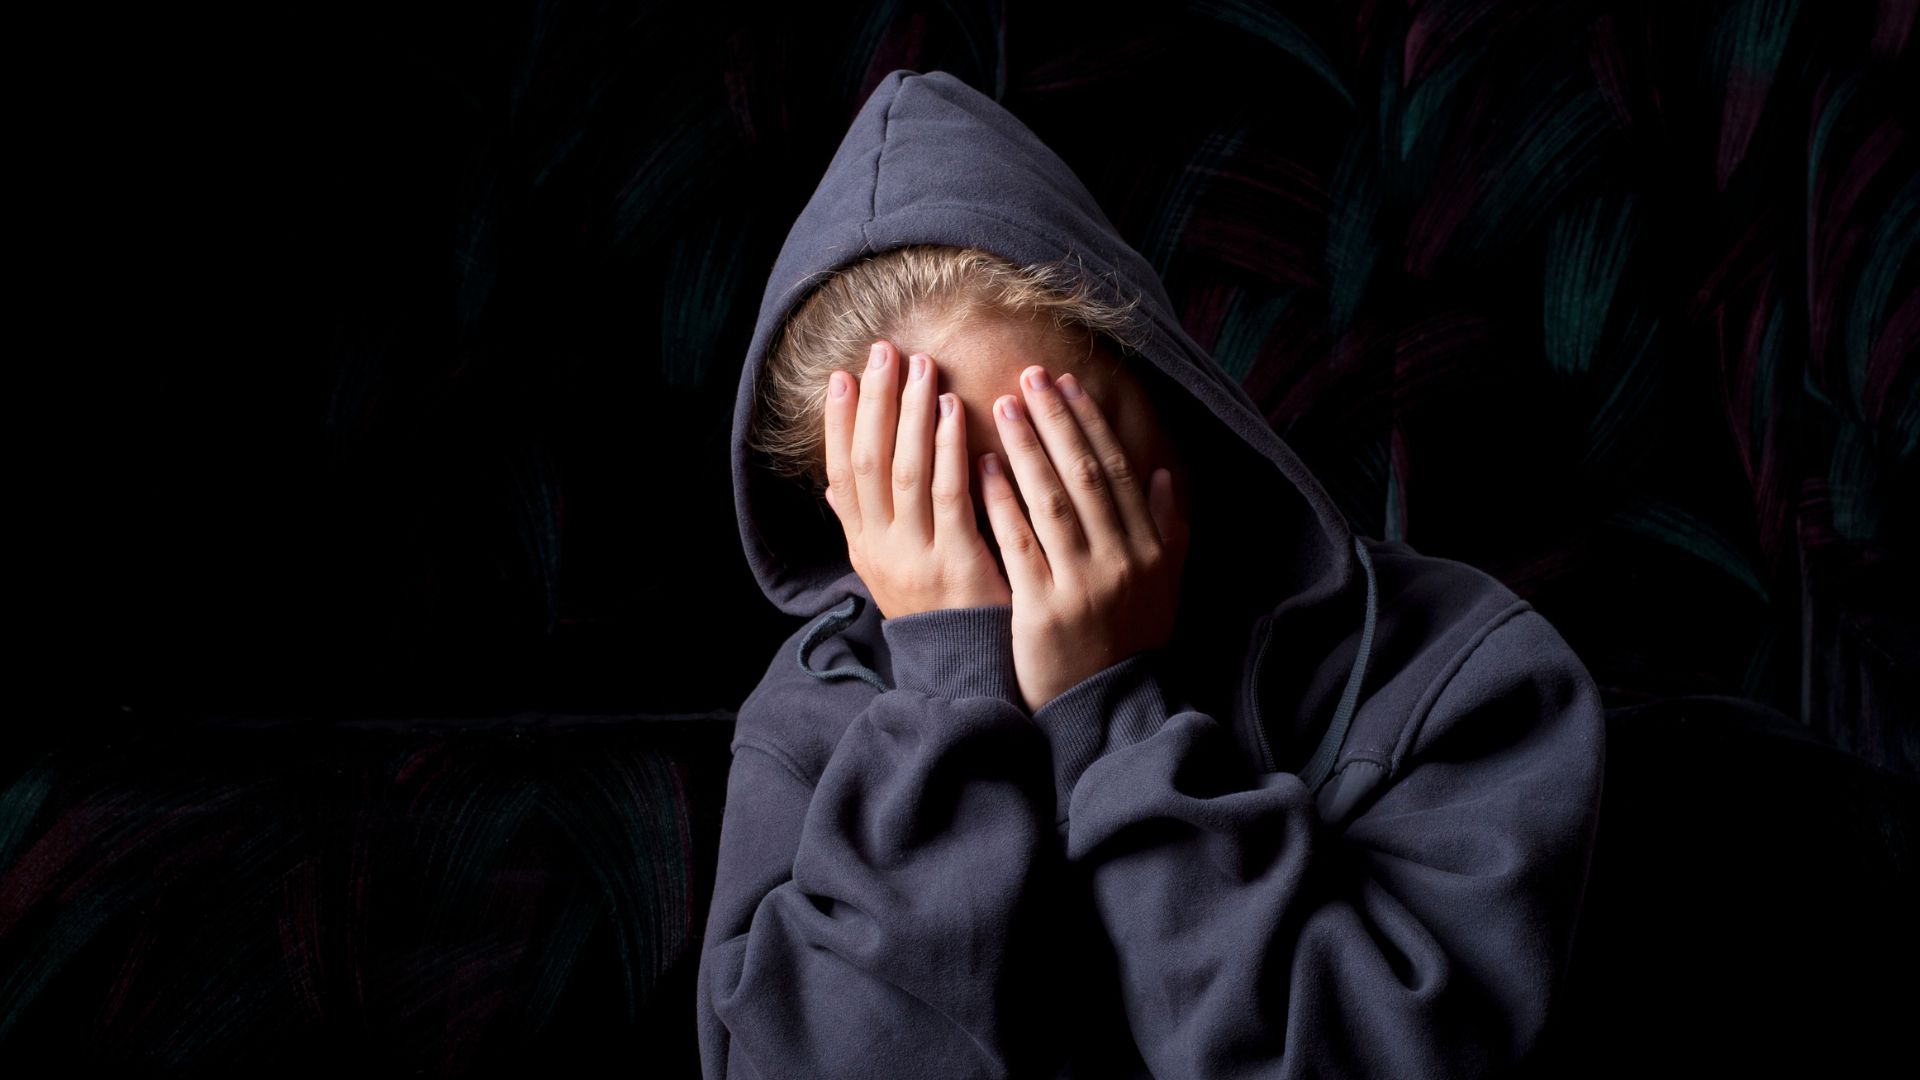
906 476
1057 505
1087 472
1151 559
865 463
946 494
1119 467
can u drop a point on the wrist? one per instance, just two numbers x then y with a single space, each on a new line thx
1081 666
1116 707
954 652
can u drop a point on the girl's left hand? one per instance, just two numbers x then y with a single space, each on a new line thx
1096 574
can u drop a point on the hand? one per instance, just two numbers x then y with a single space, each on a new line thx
1096 574
902 496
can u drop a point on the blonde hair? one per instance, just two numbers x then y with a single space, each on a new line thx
884 294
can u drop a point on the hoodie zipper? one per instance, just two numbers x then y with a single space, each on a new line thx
1253 694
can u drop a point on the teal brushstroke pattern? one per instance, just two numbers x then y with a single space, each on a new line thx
1618 303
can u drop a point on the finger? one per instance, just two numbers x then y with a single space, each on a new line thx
1021 557
1171 519
1122 478
873 434
913 449
951 489
1055 521
1081 469
1167 522
840 487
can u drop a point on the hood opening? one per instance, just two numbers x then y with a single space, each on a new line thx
930 160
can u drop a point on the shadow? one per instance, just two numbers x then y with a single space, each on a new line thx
1751 903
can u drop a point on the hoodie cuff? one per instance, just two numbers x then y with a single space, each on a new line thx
955 652
1115 708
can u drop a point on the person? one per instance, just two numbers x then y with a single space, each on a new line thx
1150 769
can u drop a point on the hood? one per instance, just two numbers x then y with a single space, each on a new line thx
930 160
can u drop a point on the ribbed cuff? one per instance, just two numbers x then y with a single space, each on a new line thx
955 652
1119 706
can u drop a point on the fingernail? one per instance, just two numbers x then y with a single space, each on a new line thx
877 356
946 404
915 365
1010 407
1069 387
839 387
1038 379
991 463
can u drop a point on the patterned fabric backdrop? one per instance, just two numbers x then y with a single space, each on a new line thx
1615 301
435 317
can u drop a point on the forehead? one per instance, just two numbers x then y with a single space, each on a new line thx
990 350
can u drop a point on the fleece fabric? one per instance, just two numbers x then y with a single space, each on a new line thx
1341 826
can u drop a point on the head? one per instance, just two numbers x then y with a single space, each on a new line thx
984 321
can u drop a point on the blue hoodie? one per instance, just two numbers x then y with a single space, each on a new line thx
1342 827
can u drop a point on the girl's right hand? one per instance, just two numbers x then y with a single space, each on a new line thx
897 478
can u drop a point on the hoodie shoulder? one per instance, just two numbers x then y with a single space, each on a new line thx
1452 593
1431 615
1434 614
799 716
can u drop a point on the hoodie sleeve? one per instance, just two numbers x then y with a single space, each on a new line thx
880 921
1425 937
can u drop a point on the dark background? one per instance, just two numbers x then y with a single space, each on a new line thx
409 336
448 307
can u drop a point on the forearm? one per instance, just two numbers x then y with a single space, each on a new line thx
901 928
